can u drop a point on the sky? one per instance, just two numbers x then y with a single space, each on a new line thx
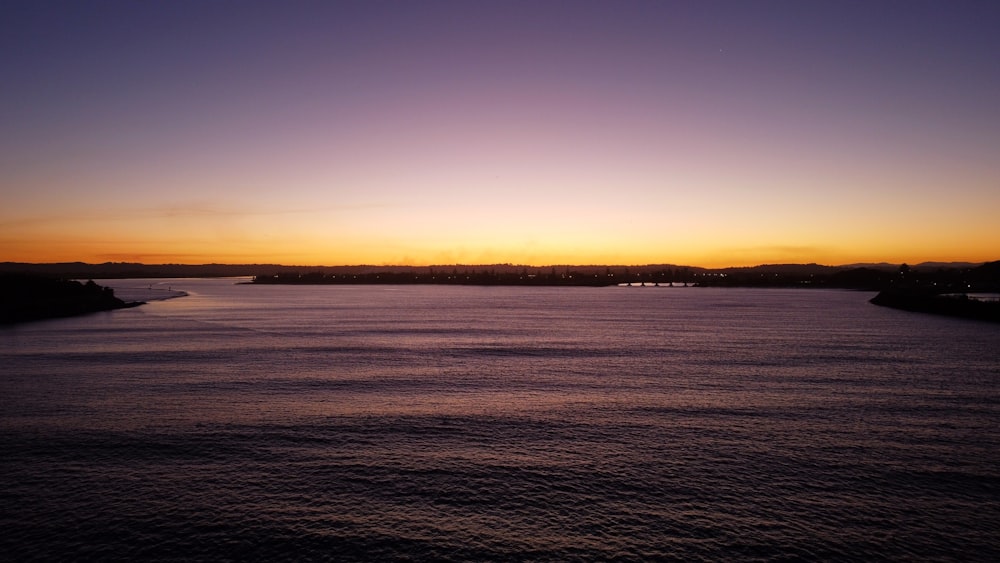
707 133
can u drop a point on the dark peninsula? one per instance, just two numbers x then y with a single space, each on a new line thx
25 297
954 296
952 305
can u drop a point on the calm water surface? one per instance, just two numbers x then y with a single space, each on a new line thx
484 423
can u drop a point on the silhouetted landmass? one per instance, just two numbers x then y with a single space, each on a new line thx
40 291
454 276
768 275
26 297
954 305
131 270
945 293
869 277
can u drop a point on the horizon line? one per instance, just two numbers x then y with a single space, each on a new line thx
494 264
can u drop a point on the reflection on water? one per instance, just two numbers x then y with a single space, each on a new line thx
477 423
145 290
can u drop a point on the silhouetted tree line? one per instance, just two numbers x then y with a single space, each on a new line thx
473 277
982 278
944 292
550 276
500 274
126 270
775 275
25 297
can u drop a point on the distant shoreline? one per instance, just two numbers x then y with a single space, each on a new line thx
869 277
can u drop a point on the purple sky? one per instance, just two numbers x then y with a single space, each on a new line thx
711 133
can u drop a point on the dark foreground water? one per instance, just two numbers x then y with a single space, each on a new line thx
474 423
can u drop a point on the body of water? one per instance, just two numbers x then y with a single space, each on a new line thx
498 423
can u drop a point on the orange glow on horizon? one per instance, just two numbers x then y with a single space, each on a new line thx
97 251
595 135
